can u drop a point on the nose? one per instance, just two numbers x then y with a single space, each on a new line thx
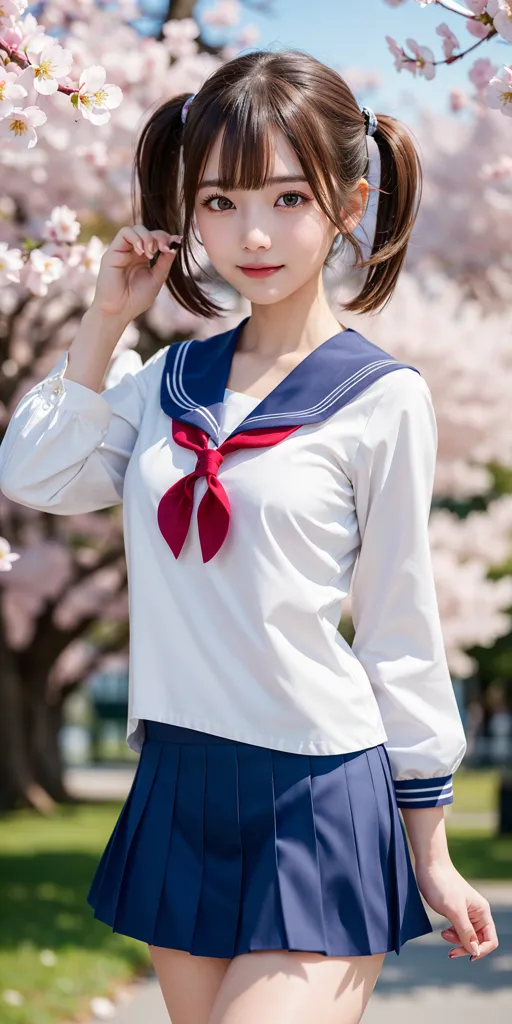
254 235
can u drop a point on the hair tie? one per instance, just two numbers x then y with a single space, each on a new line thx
371 120
184 109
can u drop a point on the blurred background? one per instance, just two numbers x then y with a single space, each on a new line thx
444 68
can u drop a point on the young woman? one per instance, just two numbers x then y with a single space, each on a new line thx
260 852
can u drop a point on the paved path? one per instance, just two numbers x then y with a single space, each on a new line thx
420 986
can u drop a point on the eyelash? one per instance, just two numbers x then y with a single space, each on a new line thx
217 195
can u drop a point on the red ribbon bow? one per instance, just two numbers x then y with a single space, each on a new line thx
213 514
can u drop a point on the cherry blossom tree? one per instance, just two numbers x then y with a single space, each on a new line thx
63 580
483 20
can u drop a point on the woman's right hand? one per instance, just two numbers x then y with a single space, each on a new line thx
127 284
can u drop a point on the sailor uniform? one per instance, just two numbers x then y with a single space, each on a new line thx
257 723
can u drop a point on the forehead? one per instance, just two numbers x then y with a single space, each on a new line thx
284 159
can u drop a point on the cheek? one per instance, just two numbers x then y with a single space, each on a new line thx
308 235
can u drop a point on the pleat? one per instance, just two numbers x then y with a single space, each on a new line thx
344 901
97 880
217 912
177 914
411 918
144 871
108 895
261 923
299 882
387 861
365 824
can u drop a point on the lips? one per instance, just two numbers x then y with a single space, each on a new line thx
260 271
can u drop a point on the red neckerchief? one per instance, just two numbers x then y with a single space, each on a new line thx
213 514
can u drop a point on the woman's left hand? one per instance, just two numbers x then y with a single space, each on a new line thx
448 893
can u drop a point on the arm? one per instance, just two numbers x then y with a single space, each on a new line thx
399 641
67 447
398 636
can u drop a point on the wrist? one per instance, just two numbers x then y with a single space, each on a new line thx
108 324
426 833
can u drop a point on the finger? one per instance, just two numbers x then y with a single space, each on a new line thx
488 940
164 239
153 240
127 240
465 930
160 270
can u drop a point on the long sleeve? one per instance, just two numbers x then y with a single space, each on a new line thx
398 636
66 447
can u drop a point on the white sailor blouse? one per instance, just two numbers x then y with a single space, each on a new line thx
245 523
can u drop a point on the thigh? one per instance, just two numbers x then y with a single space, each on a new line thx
284 987
189 983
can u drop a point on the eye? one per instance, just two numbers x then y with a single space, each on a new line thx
295 195
209 199
284 195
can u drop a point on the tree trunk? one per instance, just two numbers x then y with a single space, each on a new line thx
19 785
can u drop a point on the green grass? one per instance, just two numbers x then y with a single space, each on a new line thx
480 855
46 867
475 790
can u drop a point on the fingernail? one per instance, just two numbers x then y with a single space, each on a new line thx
475 947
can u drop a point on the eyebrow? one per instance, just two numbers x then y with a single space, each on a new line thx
281 179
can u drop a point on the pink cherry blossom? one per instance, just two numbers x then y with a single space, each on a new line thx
498 94
482 72
11 263
49 62
94 99
62 225
180 35
401 60
7 557
503 19
477 6
12 8
424 59
10 92
223 14
41 270
19 126
450 42
477 28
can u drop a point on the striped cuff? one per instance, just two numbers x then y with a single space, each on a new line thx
424 792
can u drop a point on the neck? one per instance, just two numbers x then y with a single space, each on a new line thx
297 324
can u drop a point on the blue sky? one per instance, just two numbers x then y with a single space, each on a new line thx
346 33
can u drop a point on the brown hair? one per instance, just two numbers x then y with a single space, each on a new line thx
314 108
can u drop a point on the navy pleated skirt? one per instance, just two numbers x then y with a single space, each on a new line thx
223 847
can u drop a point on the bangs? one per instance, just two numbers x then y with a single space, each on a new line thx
246 158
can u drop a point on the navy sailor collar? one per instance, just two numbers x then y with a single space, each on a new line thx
196 372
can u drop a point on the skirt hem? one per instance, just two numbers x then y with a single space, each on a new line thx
262 949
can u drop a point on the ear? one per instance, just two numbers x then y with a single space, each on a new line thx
356 206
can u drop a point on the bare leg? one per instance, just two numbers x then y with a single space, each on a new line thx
189 983
284 987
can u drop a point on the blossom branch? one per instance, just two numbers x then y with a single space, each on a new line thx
463 53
